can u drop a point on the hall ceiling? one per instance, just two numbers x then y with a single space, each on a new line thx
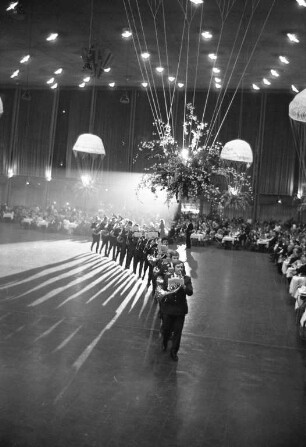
248 37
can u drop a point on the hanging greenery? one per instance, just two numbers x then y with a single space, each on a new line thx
195 171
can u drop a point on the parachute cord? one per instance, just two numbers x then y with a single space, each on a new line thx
160 64
219 101
253 50
151 102
153 90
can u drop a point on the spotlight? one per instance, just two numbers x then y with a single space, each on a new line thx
266 81
25 59
145 55
58 71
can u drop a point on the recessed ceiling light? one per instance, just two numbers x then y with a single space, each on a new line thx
54 85
255 87
171 78
111 84
301 3
274 73
126 33
293 38
266 81
107 69
58 71
144 84
12 6
217 80
180 85
82 85
25 59
15 74
212 56
159 69
206 34
52 36
145 55
283 59
216 70
218 85
293 87
87 79
196 2
50 81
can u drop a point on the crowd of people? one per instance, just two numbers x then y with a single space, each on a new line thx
288 253
144 249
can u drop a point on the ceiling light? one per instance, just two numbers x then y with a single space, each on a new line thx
87 79
266 81
54 86
58 71
196 2
52 36
171 78
217 80
216 70
159 69
255 87
50 81
145 55
283 59
111 84
274 73
206 34
293 87
107 69
212 56
144 84
82 85
293 38
217 85
126 33
11 6
15 74
180 85
301 3
25 59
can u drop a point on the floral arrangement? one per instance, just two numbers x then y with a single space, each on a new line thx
195 171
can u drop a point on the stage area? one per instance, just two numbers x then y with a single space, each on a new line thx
81 361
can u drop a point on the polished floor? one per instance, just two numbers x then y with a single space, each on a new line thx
81 364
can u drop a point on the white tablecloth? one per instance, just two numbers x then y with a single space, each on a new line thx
27 220
284 267
9 215
231 239
198 236
296 282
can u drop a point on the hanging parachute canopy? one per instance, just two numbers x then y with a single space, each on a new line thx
238 155
297 107
1 107
297 113
237 151
89 153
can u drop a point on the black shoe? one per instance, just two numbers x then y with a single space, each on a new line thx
174 356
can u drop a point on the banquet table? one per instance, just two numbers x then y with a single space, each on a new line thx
295 284
231 239
198 236
8 215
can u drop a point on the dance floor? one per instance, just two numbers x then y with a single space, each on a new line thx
81 361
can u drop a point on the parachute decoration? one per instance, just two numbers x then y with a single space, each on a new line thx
238 155
238 151
89 153
297 113
297 107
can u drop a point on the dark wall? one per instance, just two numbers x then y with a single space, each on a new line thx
44 128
